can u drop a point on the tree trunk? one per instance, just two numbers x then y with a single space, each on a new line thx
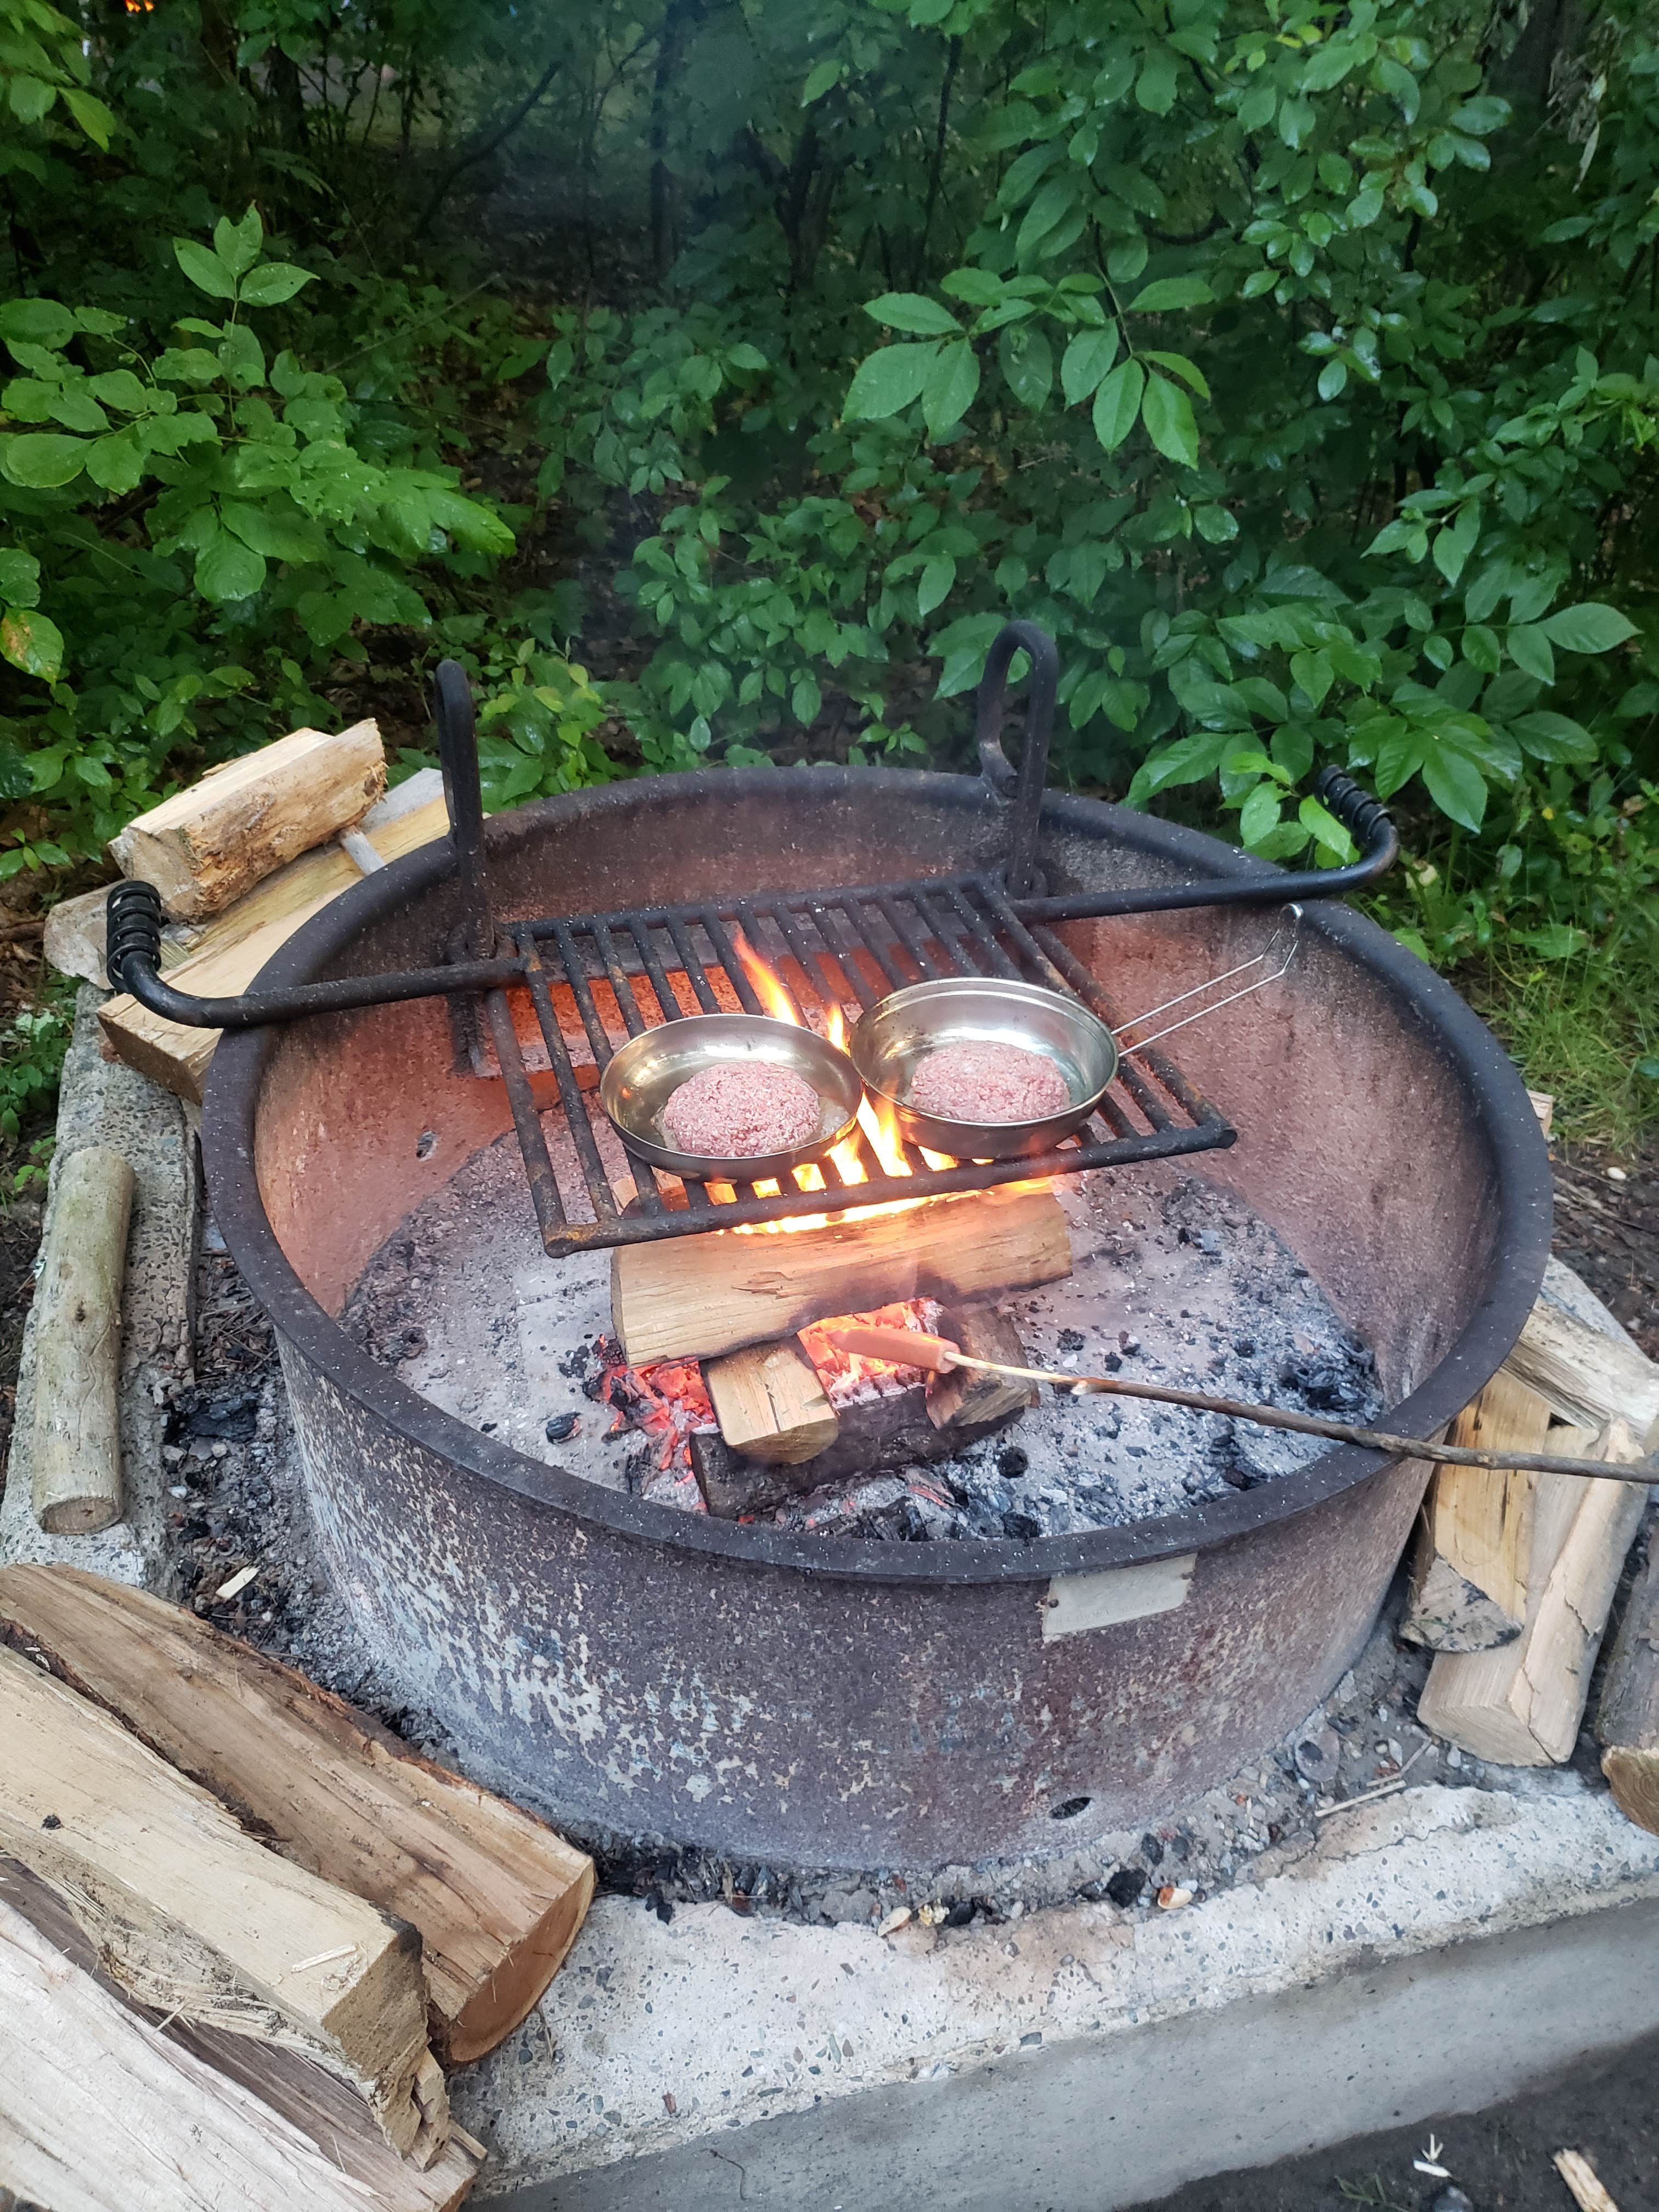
680 19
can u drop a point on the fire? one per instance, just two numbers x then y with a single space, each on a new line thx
876 1119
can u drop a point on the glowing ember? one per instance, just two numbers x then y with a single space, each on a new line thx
847 1376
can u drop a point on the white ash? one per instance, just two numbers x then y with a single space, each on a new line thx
1175 1281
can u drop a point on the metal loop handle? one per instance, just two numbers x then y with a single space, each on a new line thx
1026 784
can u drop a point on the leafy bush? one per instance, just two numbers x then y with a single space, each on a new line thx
1296 364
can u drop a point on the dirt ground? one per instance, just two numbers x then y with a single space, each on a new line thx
1500 2159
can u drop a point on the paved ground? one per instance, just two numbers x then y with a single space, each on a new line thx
1500 2159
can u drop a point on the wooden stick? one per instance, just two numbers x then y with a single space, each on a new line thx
205 847
770 1404
218 2084
236 945
935 1352
1469 1577
1627 1718
195 1917
1585 2184
1521 1704
497 1897
695 1297
77 1338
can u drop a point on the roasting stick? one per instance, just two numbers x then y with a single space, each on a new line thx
908 1347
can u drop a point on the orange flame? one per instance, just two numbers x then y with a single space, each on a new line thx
767 987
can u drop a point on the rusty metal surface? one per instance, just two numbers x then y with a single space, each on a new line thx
834 1703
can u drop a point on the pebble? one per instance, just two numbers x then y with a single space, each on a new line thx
1171 1897
1125 1886
1319 1754
1452 2200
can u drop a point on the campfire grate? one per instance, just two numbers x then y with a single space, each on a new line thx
826 949
830 948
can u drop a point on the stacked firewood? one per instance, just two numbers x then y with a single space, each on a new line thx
242 1929
1514 1577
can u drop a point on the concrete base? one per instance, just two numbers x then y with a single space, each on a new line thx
1437 1950
1428 1952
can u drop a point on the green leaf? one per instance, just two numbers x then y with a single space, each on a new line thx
1399 756
1556 940
1456 785
1530 651
187 365
120 388
1589 627
1188 760
20 577
937 577
1117 404
950 387
1178 365
910 311
1171 292
41 460
1088 357
31 96
36 322
94 118
1482 649
1555 738
1217 525
227 569
1054 201
284 537
116 464
237 244
1155 88
1322 826
1027 360
1314 672
1168 413
888 380
276 282
827 72
1259 814
204 270
31 641
1333 379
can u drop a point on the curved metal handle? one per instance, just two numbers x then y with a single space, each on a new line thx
1364 819
458 755
1026 784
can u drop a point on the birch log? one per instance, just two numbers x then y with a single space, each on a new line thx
77 1338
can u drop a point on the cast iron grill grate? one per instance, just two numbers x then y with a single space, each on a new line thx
836 947
844 948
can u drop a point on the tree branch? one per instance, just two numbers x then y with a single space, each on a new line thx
485 147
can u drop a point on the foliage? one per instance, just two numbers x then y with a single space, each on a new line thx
32 1050
1296 363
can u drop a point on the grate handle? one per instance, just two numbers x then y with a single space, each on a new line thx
1026 784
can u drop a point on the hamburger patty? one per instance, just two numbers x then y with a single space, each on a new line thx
989 1082
739 1108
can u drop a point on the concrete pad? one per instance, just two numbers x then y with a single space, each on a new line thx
1435 1950
104 1103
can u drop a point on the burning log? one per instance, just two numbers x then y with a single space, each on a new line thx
496 1896
1521 1704
1468 1581
770 1404
966 1400
888 1418
696 1297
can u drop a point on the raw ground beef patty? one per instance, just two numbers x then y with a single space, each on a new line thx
739 1108
989 1082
